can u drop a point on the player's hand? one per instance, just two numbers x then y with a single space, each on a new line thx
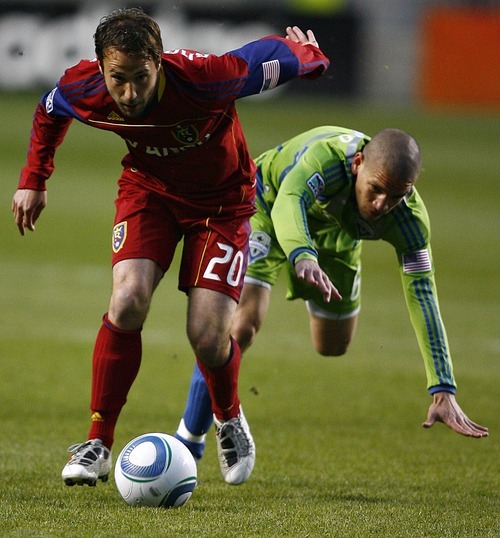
294 33
27 205
445 408
311 272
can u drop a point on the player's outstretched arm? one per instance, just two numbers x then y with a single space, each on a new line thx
311 272
444 408
294 33
27 205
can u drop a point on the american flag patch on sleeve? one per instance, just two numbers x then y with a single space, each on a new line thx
417 262
271 74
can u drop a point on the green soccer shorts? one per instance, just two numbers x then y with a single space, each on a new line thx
266 259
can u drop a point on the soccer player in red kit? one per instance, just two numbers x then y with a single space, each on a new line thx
187 175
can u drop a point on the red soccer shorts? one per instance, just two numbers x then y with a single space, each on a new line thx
150 222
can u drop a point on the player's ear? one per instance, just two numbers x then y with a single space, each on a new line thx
100 67
356 161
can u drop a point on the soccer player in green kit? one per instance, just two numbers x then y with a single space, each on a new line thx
319 195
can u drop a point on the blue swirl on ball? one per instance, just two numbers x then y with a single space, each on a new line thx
146 472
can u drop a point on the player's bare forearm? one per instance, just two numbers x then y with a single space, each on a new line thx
445 409
27 204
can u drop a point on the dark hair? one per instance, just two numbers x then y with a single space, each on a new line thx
129 30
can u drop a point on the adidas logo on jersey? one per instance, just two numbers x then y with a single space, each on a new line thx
113 116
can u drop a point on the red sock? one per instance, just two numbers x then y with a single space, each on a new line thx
116 361
222 384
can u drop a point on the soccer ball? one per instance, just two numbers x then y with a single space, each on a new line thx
155 469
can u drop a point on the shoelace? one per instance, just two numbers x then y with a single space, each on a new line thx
73 449
239 437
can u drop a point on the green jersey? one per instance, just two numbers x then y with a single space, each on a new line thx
306 202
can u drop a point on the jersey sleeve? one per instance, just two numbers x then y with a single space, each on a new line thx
423 306
52 118
47 133
412 228
304 181
272 61
254 68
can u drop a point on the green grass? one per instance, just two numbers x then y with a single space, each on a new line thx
340 450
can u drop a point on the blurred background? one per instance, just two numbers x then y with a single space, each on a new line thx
425 52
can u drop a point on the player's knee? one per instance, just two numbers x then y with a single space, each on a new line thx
245 338
129 307
332 349
244 333
210 347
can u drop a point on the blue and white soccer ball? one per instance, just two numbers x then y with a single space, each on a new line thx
155 469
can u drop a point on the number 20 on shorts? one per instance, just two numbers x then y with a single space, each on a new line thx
235 269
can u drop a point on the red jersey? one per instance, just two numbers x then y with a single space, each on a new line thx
190 138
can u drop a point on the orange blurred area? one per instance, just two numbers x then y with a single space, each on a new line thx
460 57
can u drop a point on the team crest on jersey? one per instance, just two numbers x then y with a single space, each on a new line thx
186 134
316 183
260 243
119 236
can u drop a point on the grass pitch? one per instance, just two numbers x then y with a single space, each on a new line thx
340 450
